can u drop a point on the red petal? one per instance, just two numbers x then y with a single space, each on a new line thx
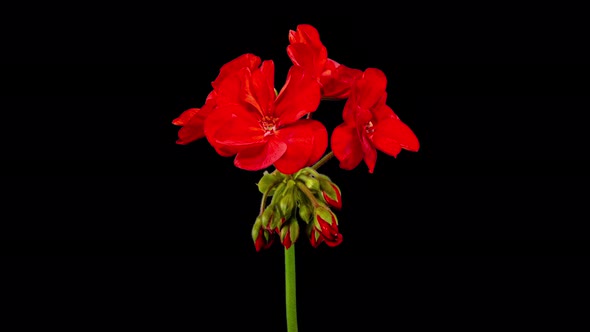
301 55
293 36
192 126
391 135
259 88
315 238
382 111
329 231
287 240
230 91
260 157
369 151
307 50
300 95
320 141
337 204
369 88
247 60
349 111
224 150
346 146
189 134
185 117
335 241
354 114
264 240
235 126
299 138
305 34
192 122
337 80
260 241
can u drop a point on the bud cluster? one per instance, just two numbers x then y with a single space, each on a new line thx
303 199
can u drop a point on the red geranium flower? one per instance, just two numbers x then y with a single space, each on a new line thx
306 50
192 120
262 127
370 125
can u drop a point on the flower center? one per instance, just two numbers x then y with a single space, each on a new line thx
369 128
269 125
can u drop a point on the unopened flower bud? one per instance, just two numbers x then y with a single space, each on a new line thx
266 216
331 194
310 182
278 193
287 202
326 223
315 238
267 181
277 221
305 212
262 238
289 232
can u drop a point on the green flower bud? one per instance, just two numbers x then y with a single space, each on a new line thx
286 205
262 238
326 223
310 182
277 219
256 228
278 193
266 216
330 192
287 202
294 230
305 212
289 232
326 186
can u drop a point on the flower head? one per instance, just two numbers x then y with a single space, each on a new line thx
263 128
370 125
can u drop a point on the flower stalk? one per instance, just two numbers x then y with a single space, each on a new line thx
322 161
290 289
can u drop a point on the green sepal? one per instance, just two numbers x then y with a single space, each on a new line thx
305 213
269 180
290 228
300 197
256 228
287 201
280 189
277 219
327 187
266 216
284 231
294 230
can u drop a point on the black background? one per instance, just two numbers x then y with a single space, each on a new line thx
105 218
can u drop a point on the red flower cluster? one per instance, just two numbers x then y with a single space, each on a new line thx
244 115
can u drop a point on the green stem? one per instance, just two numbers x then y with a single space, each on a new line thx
290 289
323 160
308 194
265 197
